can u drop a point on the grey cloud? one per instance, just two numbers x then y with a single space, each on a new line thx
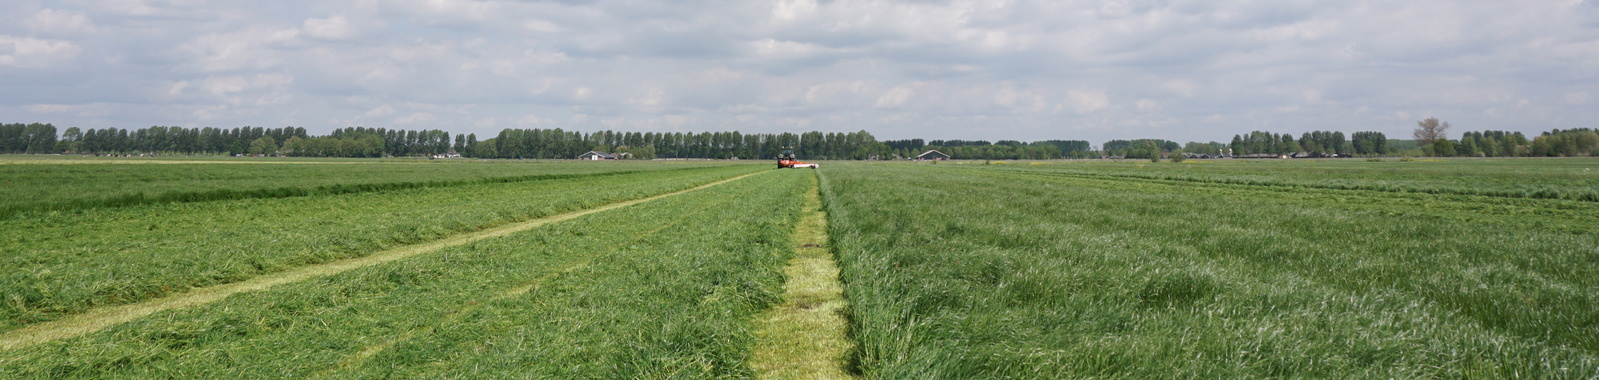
1185 70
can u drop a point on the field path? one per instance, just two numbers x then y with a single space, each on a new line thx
805 337
103 317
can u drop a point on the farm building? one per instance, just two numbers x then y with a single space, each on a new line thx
934 155
596 156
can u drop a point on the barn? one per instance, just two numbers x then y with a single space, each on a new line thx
596 156
933 155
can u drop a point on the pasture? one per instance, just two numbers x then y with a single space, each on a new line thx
709 269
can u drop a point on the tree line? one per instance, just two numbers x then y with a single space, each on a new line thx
1430 140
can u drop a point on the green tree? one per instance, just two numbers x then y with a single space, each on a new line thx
1429 131
263 145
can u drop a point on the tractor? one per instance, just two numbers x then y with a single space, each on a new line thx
786 160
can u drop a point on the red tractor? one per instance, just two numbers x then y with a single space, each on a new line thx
786 160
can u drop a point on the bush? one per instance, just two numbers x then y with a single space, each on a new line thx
1177 157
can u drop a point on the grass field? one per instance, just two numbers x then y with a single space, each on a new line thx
70 261
1454 268
75 183
1040 271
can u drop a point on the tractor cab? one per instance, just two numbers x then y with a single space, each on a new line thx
785 159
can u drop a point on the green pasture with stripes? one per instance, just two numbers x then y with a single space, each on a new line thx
1171 270
964 269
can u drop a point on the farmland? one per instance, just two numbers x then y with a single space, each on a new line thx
376 269
1086 270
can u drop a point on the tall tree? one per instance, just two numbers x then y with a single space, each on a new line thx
1429 131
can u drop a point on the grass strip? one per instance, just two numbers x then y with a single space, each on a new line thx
140 198
1586 195
806 336
100 318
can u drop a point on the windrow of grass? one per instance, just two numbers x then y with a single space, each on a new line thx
66 263
662 289
966 273
1570 179
71 185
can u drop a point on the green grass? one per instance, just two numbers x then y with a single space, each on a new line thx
663 289
42 185
964 272
1351 269
1574 179
70 261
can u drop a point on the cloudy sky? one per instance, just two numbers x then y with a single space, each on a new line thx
1026 70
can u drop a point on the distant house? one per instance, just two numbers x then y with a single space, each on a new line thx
933 155
596 156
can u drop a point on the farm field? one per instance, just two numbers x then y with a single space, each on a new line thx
1454 268
73 183
70 261
1041 271
1514 178
659 289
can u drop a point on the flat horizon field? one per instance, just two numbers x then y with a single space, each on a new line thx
366 268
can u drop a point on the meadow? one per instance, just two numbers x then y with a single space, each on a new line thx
67 262
1104 270
661 289
1057 269
75 183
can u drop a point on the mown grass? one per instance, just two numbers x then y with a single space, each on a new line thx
806 337
65 185
663 289
70 261
956 272
1571 179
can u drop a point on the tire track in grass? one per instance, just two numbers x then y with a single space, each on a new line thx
361 357
805 337
103 317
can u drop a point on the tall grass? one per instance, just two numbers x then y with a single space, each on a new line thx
663 289
982 273
68 262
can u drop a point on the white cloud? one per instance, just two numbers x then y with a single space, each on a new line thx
1030 69
1148 105
415 118
238 83
60 22
28 52
330 28
1576 98
1087 101
895 97
49 108
380 111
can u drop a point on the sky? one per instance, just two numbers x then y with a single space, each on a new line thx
992 70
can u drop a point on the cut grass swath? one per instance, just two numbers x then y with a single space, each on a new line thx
805 336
